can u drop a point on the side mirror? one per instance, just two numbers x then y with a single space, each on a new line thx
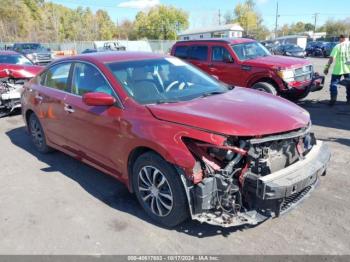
98 99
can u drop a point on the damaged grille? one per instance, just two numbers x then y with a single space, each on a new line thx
294 199
271 156
304 73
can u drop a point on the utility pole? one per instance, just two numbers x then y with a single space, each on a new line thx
219 17
315 24
276 23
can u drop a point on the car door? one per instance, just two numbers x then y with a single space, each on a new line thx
51 94
223 66
198 55
93 130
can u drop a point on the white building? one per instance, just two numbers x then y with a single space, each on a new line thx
219 31
300 40
316 35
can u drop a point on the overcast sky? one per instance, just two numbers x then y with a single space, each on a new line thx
205 13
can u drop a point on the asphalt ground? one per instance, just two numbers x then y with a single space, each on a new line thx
53 204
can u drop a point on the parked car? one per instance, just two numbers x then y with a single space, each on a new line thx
314 48
290 50
246 63
38 54
15 70
327 48
270 46
185 143
107 46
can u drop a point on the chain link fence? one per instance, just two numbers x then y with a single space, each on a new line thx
156 46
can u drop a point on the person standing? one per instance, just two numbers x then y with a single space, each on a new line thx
340 55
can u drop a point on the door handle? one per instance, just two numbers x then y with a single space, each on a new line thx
68 108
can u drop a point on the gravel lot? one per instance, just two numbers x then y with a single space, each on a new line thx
53 204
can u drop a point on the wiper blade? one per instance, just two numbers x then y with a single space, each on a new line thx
213 93
164 101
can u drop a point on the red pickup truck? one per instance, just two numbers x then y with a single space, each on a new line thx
245 62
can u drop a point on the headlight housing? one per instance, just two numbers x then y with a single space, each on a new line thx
287 74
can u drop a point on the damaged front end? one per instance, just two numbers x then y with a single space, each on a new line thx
248 180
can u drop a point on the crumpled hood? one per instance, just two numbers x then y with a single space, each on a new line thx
240 112
277 61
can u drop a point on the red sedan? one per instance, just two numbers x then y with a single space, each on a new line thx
183 142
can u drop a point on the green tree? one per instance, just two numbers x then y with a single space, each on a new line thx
337 27
106 28
245 15
309 27
127 30
161 22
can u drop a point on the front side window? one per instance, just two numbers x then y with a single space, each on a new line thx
220 54
199 53
86 78
251 50
165 80
15 60
57 76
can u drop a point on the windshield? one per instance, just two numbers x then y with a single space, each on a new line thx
15 60
165 80
246 51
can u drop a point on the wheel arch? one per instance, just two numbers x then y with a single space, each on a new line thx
27 115
133 155
269 80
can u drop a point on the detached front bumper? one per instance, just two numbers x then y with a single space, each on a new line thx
316 84
295 178
268 196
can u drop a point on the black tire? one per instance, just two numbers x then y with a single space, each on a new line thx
37 134
173 186
265 87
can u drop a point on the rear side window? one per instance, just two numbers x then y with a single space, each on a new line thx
86 78
181 51
57 76
198 53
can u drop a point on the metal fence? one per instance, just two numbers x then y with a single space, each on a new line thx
156 46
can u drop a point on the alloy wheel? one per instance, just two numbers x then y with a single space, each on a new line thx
155 191
36 132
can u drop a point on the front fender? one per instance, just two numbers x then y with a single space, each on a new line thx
166 139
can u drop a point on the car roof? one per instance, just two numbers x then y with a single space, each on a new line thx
237 40
114 56
8 53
